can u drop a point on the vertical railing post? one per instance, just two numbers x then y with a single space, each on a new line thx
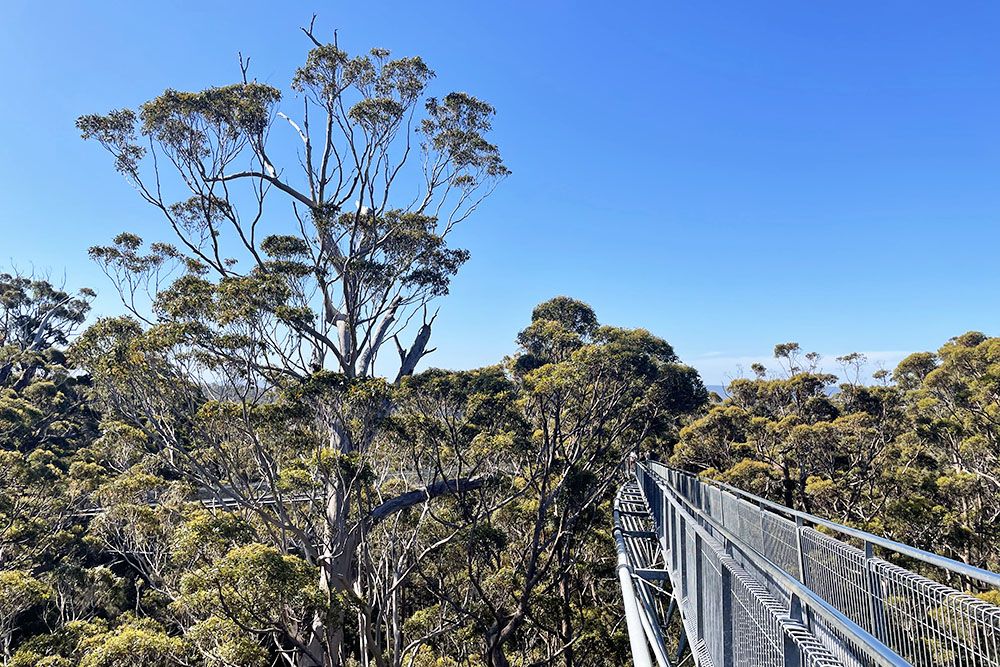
799 555
728 624
665 509
699 585
722 509
674 560
682 564
876 611
763 530
793 657
800 558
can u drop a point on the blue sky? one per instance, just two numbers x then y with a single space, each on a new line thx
728 175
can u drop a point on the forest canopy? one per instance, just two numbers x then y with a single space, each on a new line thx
154 517
253 462
244 467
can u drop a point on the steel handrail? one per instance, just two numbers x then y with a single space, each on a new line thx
863 639
943 562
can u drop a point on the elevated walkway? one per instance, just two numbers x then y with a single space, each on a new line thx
718 577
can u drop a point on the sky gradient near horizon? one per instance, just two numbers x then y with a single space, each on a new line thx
728 175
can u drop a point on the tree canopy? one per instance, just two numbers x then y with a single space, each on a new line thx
912 456
230 472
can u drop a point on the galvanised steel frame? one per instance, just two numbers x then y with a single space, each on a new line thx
755 583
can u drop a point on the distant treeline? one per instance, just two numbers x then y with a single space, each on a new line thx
914 456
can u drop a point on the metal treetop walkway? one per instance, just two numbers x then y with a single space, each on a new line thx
723 578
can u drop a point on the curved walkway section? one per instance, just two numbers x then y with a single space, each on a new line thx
726 579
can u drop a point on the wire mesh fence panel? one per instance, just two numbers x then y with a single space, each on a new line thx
929 623
728 615
744 520
716 614
758 638
779 543
848 651
837 572
691 581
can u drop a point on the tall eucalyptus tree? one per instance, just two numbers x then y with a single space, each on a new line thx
304 244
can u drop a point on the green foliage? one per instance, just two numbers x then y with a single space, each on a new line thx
456 125
134 643
370 269
205 537
221 642
19 592
574 315
915 460
61 648
253 586
40 399
584 396
228 465
479 498
252 385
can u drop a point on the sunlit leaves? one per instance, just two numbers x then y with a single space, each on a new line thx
19 591
285 246
456 126
224 643
254 586
136 642
117 132
186 123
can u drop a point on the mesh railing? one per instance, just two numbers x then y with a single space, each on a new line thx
730 614
758 584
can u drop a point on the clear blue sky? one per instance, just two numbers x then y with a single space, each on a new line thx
726 174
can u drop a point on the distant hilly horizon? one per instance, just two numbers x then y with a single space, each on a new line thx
721 390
